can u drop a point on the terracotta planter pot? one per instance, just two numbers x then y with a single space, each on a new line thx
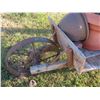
93 41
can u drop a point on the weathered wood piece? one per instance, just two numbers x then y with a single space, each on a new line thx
35 69
69 52
89 53
46 67
92 63
92 60
64 41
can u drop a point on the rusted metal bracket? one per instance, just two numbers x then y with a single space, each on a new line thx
69 52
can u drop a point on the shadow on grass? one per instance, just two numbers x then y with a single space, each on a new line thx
25 30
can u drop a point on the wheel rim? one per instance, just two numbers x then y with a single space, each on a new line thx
19 58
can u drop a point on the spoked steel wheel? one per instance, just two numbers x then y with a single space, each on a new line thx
31 51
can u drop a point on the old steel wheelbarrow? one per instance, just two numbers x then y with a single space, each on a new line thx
35 55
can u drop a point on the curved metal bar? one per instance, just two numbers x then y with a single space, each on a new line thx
20 45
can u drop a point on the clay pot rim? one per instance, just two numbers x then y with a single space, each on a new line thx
91 18
87 25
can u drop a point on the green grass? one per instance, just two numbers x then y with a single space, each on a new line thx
19 26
